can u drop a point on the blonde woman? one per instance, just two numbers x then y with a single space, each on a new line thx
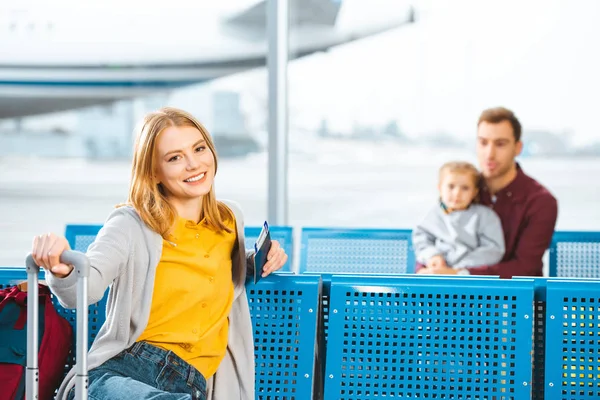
177 320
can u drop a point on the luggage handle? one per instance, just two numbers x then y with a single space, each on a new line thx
81 266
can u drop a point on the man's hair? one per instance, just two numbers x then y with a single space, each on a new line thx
498 114
460 167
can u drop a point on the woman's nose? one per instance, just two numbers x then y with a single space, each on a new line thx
191 163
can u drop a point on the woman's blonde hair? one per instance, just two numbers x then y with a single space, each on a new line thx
148 197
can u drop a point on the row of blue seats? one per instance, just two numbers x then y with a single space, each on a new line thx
322 249
384 251
407 336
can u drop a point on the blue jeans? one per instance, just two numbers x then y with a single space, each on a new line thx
144 371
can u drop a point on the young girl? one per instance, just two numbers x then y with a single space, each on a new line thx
457 233
177 319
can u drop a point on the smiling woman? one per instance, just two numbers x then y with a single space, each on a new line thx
168 170
173 230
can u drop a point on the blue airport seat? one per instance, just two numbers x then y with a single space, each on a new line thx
539 326
414 337
323 336
283 234
575 254
284 311
356 251
572 369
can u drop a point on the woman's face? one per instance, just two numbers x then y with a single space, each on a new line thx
184 164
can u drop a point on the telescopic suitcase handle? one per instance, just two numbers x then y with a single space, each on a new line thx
81 266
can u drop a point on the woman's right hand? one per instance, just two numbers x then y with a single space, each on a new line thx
46 253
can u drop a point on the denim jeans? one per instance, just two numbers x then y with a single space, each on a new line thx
144 371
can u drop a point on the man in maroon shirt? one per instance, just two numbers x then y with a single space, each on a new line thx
527 210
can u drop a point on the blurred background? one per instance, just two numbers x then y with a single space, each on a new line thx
381 93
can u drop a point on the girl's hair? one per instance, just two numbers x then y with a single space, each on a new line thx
461 167
148 197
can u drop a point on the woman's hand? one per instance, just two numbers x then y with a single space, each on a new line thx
46 253
276 258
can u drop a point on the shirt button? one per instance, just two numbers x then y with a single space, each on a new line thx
509 194
211 279
206 256
194 330
203 305
197 235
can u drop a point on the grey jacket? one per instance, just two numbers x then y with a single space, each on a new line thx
466 238
125 254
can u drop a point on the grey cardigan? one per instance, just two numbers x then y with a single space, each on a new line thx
125 254
466 238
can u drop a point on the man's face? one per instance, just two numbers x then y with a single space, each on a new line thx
496 148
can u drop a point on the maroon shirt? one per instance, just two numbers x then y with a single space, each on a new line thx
528 213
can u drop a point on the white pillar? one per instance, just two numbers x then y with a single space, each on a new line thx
277 58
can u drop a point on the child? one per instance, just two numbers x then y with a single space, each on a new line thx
457 233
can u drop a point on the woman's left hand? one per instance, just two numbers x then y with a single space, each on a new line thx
276 258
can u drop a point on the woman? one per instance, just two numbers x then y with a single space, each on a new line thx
177 324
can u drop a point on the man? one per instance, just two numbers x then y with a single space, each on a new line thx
527 210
